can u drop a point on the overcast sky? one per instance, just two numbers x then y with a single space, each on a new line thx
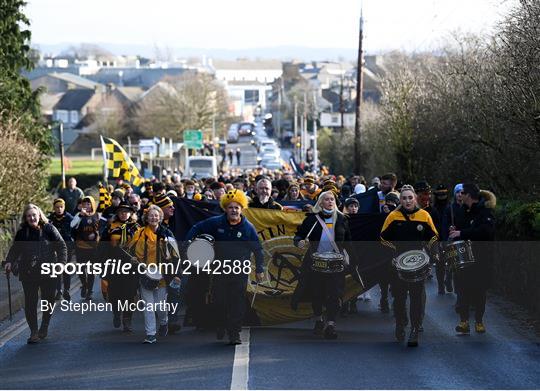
238 24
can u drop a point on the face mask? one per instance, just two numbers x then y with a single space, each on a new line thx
328 212
190 193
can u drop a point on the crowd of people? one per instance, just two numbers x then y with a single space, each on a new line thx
142 223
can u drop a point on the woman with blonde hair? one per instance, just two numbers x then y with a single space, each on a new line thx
36 242
326 230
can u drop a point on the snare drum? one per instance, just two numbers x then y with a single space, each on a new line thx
412 266
459 254
328 262
201 249
150 280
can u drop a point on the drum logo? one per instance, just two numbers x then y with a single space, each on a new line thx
420 227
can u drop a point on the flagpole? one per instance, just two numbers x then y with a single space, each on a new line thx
104 160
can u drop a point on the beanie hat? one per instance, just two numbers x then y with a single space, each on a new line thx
350 201
392 197
234 195
422 186
59 201
119 193
217 185
458 188
162 201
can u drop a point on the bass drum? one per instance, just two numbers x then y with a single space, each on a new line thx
412 266
201 250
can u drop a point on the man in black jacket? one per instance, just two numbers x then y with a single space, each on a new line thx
62 220
472 282
263 200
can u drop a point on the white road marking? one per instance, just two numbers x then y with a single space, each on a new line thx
240 372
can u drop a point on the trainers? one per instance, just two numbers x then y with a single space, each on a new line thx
413 338
479 327
330 332
235 339
463 327
319 328
116 320
43 331
400 332
66 295
33 339
163 330
150 339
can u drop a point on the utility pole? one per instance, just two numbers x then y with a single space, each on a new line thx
359 88
315 148
63 168
304 129
296 130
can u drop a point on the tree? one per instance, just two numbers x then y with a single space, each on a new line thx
191 101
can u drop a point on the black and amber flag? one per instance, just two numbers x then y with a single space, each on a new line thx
118 164
104 198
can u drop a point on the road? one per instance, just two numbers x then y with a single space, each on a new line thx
86 352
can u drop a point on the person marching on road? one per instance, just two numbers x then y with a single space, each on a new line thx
473 282
323 231
407 228
36 241
62 220
263 199
235 239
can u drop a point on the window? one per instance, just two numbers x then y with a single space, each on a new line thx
62 115
74 117
251 96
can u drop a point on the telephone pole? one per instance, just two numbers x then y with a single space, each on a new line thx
359 87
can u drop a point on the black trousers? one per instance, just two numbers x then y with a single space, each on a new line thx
471 290
84 255
444 275
229 293
417 296
31 289
326 290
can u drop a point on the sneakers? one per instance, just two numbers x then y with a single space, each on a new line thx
163 330
400 332
33 339
463 327
116 320
330 332
319 328
413 338
43 331
479 327
234 339
150 339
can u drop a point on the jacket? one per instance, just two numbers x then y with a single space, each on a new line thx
33 247
62 224
270 204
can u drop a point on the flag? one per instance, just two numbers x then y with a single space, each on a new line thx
118 163
105 199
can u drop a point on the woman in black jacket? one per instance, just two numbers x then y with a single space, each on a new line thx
36 242
323 288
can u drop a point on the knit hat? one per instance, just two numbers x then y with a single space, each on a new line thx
162 201
350 201
59 201
235 195
392 197
441 192
125 205
309 179
119 193
458 188
421 186
217 185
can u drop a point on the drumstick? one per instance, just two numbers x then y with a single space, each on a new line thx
255 294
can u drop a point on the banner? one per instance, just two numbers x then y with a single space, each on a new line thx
272 298
118 164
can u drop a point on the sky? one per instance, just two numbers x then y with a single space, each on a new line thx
239 24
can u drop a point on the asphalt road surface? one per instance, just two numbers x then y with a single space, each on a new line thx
84 352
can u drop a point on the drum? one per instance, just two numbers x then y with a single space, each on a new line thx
328 262
201 249
150 280
459 255
412 266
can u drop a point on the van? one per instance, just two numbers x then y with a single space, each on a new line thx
201 167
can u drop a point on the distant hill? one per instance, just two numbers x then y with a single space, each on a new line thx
278 52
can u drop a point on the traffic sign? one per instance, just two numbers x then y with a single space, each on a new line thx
193 139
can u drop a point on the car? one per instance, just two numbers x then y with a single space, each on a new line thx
246 129
232 135
270 150
271 164
201 166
